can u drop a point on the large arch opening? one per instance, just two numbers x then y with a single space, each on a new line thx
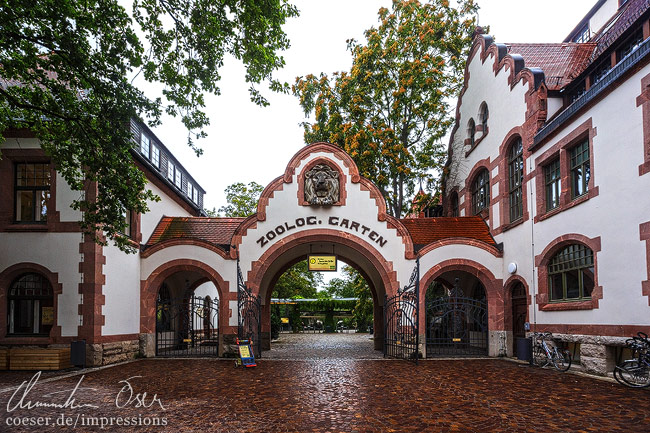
376 271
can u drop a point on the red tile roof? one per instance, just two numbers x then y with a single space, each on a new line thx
628 16
217 231
427 230
561 62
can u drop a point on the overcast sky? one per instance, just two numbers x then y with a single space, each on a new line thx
250 143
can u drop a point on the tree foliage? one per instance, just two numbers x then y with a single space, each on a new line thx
391 110
68 69
297 281
353 285
242 199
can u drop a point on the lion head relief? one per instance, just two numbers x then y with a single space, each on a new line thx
322 185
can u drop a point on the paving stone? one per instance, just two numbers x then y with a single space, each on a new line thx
337 394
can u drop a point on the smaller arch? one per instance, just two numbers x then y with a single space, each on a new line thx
483 116
471 133
542 262
149 290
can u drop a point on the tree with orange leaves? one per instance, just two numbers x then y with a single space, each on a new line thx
392 109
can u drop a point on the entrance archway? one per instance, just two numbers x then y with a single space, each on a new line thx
377 272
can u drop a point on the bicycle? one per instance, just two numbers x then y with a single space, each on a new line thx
635 372
543 353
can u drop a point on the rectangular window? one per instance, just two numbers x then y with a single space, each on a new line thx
631 44
553 184
155 156
195 196
579 169
177 179
32 191
600 71
582 35
170 171
190 190
144 145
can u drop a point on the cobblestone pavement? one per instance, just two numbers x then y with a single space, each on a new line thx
323 346
333 395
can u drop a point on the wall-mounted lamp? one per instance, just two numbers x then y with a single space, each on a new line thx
512 267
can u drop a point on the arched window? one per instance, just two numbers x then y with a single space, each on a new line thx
453 204
481 191
571 273
515 176
483 115
471 132
30 305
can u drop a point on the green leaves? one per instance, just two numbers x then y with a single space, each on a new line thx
68 66
391 110
242 199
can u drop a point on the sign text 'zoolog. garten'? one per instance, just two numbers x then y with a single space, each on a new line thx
314 221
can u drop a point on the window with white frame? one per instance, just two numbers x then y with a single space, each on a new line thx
170 171
155 156
195 196
144 145
178 179
190 190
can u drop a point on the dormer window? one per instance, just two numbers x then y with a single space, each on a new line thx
144 145
178 179
155 156
170 171
582 35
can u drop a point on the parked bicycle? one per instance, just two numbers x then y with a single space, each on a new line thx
635 372
545 353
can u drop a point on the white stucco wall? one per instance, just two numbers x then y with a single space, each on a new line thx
165 207
59 253
121 292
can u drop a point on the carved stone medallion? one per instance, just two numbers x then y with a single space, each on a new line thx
322 185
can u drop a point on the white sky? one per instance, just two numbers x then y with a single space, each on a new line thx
250 143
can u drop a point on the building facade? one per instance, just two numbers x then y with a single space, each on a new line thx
551 149
546 226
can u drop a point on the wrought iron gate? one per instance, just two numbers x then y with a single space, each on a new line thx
187 326
249 307
456 325
401 317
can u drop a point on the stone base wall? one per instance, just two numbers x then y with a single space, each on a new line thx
111 353
597 352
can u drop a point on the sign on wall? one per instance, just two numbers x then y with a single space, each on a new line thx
322 263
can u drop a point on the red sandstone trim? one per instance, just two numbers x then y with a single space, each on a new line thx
394 223
325 148
149 291
343 192
242 230
6 278
561 150
383 267
542 260
644 234
276 184
460 241
493 289
605 330
467 189
643 100
184 241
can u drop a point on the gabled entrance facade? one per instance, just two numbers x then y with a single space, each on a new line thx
321 205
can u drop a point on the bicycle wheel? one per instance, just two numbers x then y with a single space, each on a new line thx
632 373
539 356
561 360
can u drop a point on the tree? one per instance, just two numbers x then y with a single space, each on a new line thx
242 199
391 110
69 67
297 281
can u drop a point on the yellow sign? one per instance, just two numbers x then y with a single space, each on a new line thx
285 320
322 263
187 340
244 352
456 340
47 315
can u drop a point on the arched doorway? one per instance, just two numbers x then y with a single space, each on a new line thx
456 316
377 272
519 312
